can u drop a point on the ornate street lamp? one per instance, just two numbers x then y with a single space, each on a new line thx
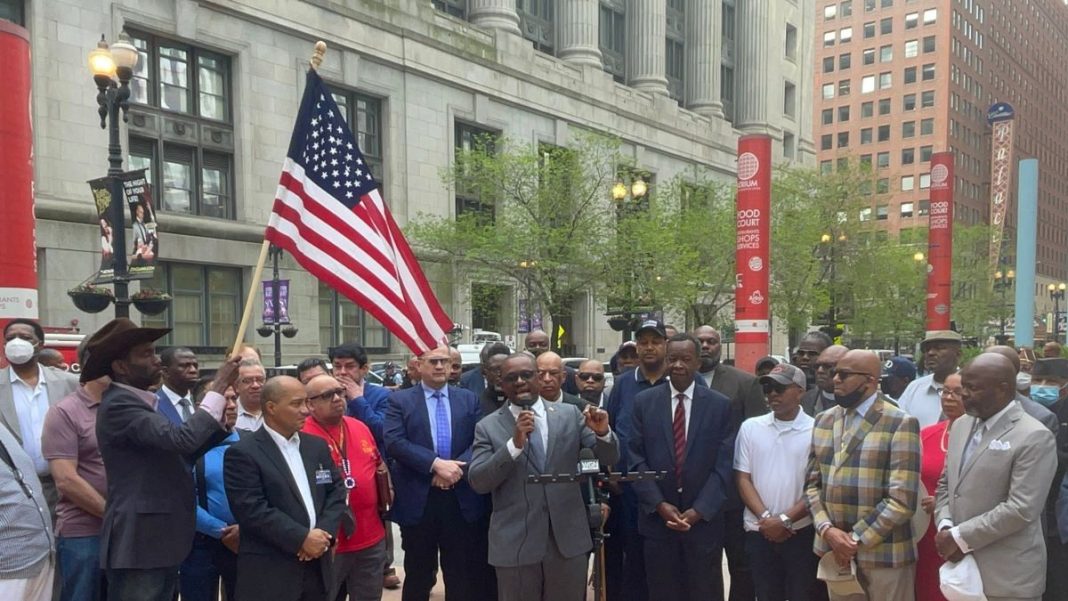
1056 294
624 321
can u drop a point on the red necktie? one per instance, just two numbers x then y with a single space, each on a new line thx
678 427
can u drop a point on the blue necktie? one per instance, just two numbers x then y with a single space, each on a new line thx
536 450
442 428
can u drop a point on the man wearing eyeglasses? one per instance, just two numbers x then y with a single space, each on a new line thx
811 345
250 380
770 460
590 380
863 481
821 396
361 543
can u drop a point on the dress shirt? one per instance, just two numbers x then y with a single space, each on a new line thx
707 376
432 407
213 402
290 448
246 420
31 405
921 400
855 415
217 516
984 427
687 404
176 400
541 427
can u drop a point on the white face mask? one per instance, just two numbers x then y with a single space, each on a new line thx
18 351
1023 381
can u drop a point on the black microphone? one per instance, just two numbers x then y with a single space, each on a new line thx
589 465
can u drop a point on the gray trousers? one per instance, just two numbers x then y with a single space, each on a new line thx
359 573
556 578
884 584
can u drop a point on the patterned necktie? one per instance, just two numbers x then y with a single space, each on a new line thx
678 427
442 428
973 443
186 409
536 450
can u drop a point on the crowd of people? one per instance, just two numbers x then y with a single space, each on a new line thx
832 476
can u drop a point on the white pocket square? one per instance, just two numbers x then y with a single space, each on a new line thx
998 445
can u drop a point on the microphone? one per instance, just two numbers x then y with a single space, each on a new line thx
588 465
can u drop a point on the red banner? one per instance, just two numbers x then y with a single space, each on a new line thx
753 206
940 243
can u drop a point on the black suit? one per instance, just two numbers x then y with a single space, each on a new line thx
267 505
747 400
813 402
149 520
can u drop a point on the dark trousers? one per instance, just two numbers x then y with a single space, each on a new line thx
442 529
313 588
157 584
741 587
681 568
1056 570
225 562
198 580
785 570
624 552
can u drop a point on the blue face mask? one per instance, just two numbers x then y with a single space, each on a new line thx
1046 395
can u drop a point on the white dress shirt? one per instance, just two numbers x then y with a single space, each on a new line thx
176 400
290 449
687 405
921 400
246 420
541 427
31 405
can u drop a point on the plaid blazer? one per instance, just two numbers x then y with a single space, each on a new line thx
867 482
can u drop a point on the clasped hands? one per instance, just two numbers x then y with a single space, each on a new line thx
842 544
315 544
446 473
947 546
773 529
675 520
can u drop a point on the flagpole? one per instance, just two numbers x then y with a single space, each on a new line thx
314 62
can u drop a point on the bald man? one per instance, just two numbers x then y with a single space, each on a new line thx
989 500
864 474
1035 410
821 396
551 374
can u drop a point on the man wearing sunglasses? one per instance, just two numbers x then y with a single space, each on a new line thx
821 396
863 481
811 345
590 380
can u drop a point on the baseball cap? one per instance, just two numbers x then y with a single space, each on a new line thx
768 361
941 336
840 581
900 367
786 374
652 325
628 346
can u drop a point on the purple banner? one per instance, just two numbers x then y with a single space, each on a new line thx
268 302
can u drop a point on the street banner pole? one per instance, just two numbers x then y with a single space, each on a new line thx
1026 232
940 244
752 250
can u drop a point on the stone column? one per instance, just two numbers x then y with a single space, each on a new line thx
646 40
494 14
704 44
751 60
578 22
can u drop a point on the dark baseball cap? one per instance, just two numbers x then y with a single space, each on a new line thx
900 367
652 325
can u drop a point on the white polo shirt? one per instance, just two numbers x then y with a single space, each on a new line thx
775 455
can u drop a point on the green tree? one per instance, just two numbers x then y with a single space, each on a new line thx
976 306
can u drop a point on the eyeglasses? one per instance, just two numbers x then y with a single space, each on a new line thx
328 395
843 374
824 366
253 380
525 375
950 392
770 387
589 376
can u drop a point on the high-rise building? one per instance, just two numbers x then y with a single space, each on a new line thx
218 85
899 79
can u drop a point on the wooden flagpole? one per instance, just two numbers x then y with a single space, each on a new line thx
315 60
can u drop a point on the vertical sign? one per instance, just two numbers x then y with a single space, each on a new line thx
145 247
268 302
1000 116
940 243
753 208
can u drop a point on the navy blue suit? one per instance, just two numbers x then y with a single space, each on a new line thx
473 380
433 519
166 407
706 477
371 410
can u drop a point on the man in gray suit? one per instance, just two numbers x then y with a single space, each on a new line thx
27 390
539 536
998 471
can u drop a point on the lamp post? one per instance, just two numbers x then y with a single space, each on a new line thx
1003 281
275 327
828 243
108 63
526 266
637 191
1056 294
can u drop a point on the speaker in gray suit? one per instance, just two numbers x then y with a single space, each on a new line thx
539 536
37 388
989 500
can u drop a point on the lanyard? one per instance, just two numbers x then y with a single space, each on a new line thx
338 446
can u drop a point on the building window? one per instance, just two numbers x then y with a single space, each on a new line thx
846 8
865 135
843 139
827 116
912 20
906 207
925 153
908 102
470 200
865 161
886 53
14 11
884 106
930 16
844 61
613 35
865 214
206 307
886 26
885 80
882 160
828 64
928 72
451 7
828 91
869 30
926 127
826 167
882 212
789 99
843 87
726 92
910 75
363 114
867 110
674 61
829 37
826 142
884 133
789 145
908 182
886 4
929 44
536 23
924 208
867 84
181 128
882 186
908 129
912 49
843 113
341 321
830 11
927 99
908 156
925 181
791 42
845 35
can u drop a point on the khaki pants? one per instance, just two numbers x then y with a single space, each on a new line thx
884 584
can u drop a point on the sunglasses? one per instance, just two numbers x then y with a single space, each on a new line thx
328 395
770 387
843 374
588 376
525 375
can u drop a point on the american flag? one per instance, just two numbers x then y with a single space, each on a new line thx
328 213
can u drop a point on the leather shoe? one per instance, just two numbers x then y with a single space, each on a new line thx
390 580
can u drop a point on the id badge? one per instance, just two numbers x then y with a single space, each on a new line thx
323 476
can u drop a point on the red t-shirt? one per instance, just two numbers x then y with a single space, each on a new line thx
359 446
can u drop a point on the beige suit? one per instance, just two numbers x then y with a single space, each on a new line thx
996 500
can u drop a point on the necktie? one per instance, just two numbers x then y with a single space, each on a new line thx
536 450
678 427
973 443
187 411
442 428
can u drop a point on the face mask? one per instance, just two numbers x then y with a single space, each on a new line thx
18 351
850 400
1023 381
1046 395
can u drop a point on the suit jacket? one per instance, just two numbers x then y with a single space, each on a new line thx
410 448
166 407
744 391
995 499
812 401
522 512
570 399
149 518
867 483
1036 410
473 380
267 505
706 470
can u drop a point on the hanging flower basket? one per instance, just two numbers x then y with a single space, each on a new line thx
151 302
91 299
